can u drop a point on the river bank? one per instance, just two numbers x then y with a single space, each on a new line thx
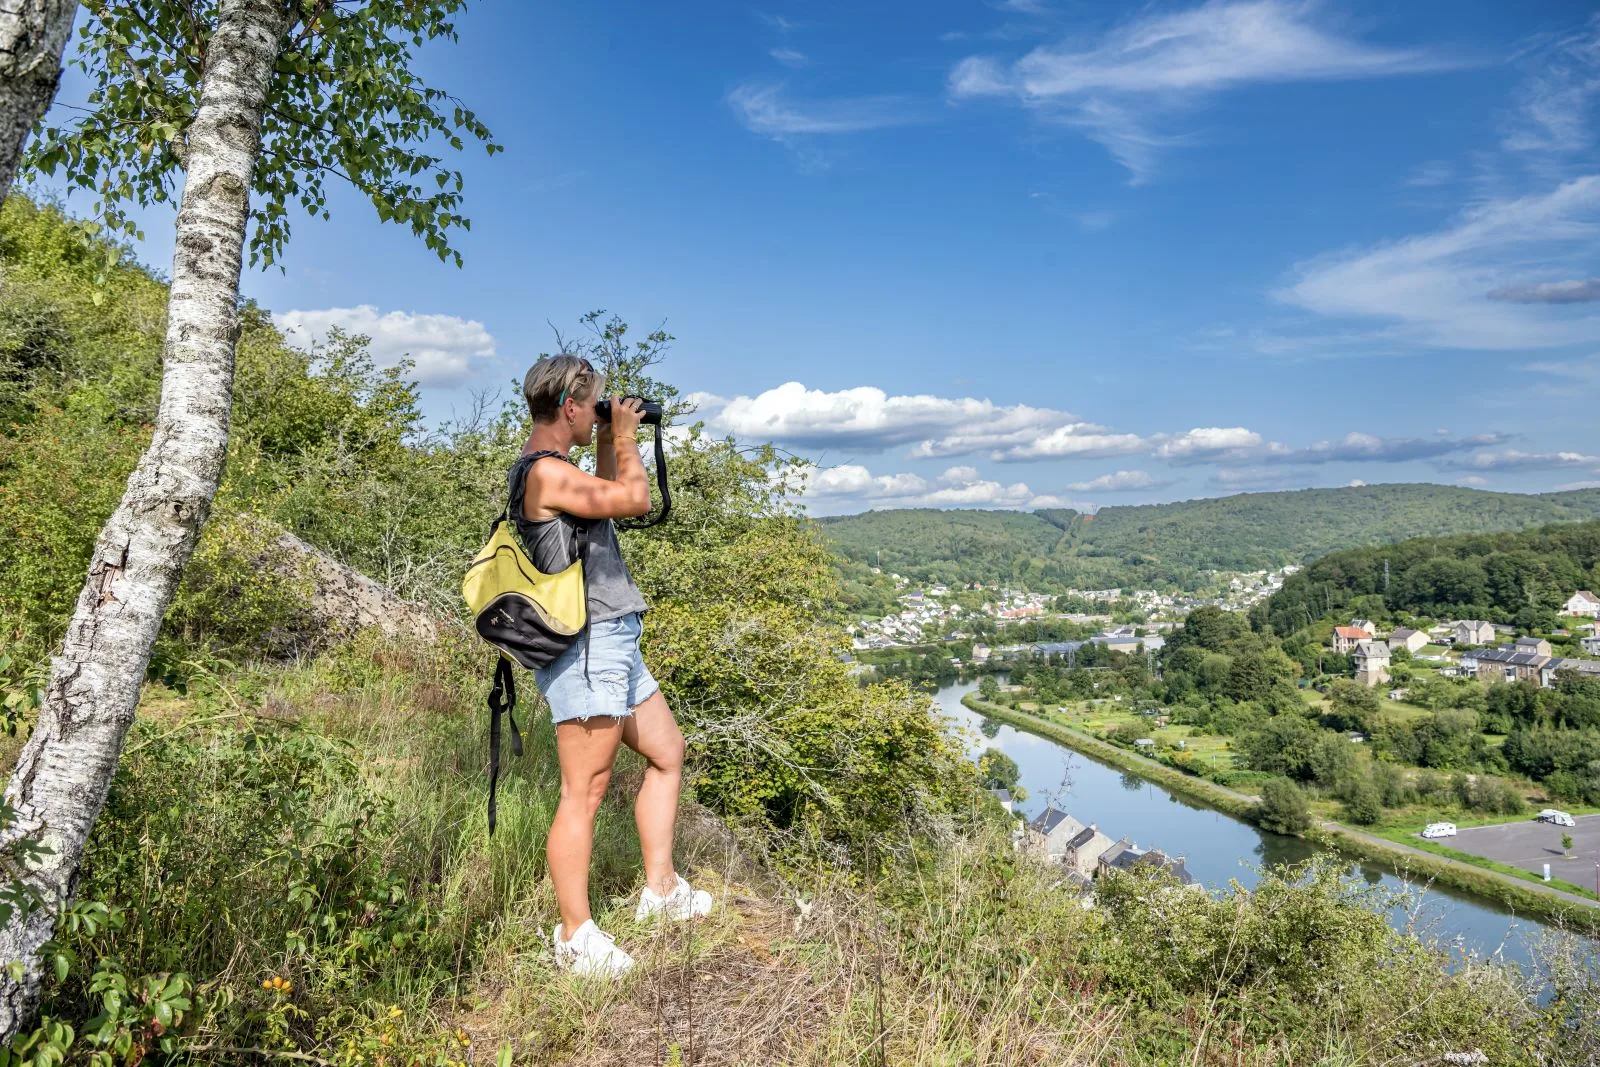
1530 899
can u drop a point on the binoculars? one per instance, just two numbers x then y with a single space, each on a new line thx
650 417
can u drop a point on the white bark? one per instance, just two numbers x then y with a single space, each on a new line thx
65 770
32 35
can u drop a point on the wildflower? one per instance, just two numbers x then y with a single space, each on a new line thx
395 1012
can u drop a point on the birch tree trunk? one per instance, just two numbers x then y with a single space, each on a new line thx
32 35
65 771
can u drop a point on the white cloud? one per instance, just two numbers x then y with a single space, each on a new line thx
1574 291
1021 7
1474 480
1588 483
1553 107
1206 442
443 347
1434 289
1433 172
1512 459
765 109
1254 477
1118 482
1079 440
1120 86
789 57
1354 483
851 486
1369 448
867 418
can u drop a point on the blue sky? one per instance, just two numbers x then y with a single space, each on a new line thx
1026 253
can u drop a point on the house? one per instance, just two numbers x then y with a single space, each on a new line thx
1588 668
1537 645
1407 638
1119 857
1582 603
980 655
1507 665
1082 854
1346 638
1175 867
1473 632
1366 626
1591 645
1004 797
1145 744
1372 663
1049 833
1122 639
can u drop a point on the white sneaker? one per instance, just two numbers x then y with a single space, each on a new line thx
591 951
682 903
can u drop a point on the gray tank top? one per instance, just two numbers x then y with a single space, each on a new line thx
549 544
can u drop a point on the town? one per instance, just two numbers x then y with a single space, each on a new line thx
938 613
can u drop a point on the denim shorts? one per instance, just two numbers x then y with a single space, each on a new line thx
618 680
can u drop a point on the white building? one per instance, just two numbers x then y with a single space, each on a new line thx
1582 603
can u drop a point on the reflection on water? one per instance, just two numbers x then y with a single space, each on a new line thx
1217 848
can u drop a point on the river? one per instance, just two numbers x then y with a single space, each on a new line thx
1217 848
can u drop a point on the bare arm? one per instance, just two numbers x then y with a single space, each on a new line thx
563 487
605 454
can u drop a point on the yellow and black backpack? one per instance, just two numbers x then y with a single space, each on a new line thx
529 616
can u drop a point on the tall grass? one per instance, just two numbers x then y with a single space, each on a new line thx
320 828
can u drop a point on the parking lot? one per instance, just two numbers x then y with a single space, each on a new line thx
1530 845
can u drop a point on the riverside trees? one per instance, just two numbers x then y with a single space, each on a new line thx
252 105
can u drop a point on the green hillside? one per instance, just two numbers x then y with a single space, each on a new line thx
1521 578
1170 544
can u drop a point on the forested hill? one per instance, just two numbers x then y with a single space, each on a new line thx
1158 544
1520 578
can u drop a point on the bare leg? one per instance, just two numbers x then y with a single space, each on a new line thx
586 751
653 733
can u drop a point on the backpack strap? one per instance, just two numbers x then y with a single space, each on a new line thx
502 698
519 482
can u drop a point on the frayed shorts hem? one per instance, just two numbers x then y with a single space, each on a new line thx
616 680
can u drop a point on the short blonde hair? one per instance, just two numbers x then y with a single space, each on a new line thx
553 379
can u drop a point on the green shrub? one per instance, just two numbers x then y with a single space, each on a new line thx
1283 808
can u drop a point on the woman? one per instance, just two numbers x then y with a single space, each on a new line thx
600 693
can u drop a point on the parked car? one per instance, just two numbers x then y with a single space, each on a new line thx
1557 818
1439 829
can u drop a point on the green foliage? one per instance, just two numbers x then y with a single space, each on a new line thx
1165 545
1362 803
996 770
1283 808
242 595
1502 577
345 103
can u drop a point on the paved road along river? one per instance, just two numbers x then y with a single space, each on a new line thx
1216 847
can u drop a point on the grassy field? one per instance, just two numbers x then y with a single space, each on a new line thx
1195 752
